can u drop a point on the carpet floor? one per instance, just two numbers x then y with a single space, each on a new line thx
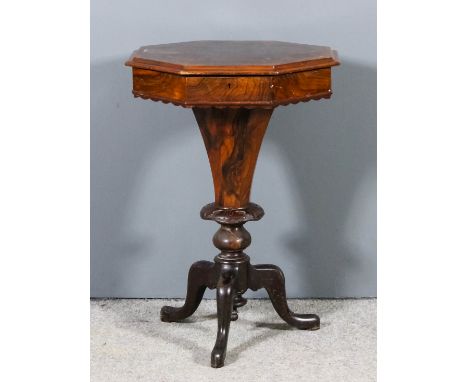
130 343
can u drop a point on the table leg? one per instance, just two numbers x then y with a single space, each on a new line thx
224 299
272 279
201 276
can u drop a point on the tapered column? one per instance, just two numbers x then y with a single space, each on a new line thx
232 139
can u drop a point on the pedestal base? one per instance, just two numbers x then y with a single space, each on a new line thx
232 276
232 139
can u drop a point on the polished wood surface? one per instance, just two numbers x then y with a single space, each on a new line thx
233 57
232 139
249 74
236 91
233 87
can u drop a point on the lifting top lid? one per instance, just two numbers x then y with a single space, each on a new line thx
232 58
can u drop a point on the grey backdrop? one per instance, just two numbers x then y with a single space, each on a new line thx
316 174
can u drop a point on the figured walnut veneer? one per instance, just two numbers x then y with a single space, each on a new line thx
232 139
250 74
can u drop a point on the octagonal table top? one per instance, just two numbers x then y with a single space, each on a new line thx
251 74
232 57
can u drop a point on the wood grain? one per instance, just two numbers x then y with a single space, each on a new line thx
248 74
233 57
232 91
232 139
228 90
294 87
156 85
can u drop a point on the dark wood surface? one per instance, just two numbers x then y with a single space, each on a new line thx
231 274
233 87
232 139
252 74
232 57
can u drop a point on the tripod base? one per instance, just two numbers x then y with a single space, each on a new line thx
232 276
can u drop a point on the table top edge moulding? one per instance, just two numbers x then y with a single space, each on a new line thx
249 74
232 88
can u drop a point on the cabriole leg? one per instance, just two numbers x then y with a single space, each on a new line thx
224 299
271 278
200 277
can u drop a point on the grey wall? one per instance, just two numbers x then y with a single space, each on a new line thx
316 174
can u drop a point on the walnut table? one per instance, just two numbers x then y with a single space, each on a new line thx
233 87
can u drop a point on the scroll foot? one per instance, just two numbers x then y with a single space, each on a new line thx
200 277
271 278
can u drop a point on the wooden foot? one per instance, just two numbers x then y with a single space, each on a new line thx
200 277
271 278
224 299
